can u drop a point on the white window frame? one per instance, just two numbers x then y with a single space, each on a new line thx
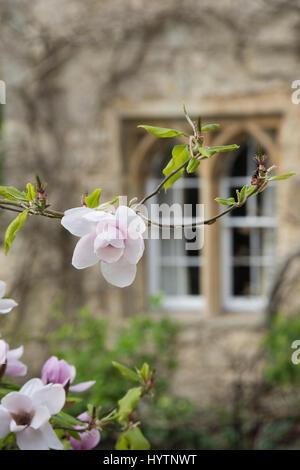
154 257
240 303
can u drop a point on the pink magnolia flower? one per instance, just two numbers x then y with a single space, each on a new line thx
113 239
88 439
27 414
6 305
10 357
57 371
3 352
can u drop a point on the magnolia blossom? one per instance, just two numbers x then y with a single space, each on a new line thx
10 357
27 414
113 239
88 439
6 305
57 371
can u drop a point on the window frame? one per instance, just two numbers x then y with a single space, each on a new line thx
170 302
231 302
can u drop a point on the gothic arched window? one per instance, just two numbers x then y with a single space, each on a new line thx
247 236
174 270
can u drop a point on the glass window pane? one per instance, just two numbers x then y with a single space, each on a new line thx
241 280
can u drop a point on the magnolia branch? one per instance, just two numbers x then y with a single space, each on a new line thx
199 223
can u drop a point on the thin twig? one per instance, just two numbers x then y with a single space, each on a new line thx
19 207
210 221
158 188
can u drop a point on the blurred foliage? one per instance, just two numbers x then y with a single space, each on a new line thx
280 369
243 420
92 346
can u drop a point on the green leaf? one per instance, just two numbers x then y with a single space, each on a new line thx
132 439
249 190
162 131
208 152
128 403
128 373
64 420
145 371
226 202
92 200
13 228
12 194
180 154
282 177
224 148
74 434
30 192
193 165
242 195
210 127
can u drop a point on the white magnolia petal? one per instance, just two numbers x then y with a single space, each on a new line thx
31 387
84 255
99 216
41 416
5 420
82 386
15 353
72 370
120 274
31 439
6 305
3 352
134 249
16 402
124 216
53 396
14 427
2 288
110 254
50 437
130 222
75 222
15 368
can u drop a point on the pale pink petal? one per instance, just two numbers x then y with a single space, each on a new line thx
31 439
134 249
120 274
5 420
114 235
2 288
50 370
3 352
15 368
41 416
31 387
88 441
16 402
14 427
53 396
6 305
99 216
84 255
50 437
66 373
82 387
72 373
129 222
110 254
75 222
85 417
16 353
